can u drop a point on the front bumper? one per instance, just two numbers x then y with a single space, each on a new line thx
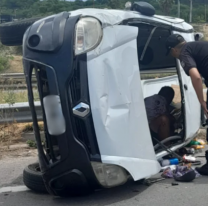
65 161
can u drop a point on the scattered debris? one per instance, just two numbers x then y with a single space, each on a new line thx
149 182
181 173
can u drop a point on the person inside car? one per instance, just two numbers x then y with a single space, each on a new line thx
193 57
161 122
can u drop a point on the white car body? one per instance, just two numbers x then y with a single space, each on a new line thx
117 93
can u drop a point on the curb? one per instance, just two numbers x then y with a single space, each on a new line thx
14 189
25 136
31 136
16 146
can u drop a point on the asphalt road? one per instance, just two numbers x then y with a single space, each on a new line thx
131 194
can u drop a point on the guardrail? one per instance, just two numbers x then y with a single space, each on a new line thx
159 71
18 112
17 83
14 76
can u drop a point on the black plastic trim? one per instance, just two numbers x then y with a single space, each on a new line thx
85 131
154 23
74 155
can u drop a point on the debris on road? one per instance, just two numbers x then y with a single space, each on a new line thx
175 184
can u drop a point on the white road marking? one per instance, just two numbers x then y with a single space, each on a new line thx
14 189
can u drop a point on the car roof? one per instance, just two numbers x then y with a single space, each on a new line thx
112 17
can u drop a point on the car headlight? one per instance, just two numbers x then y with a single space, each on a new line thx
109 175
88 34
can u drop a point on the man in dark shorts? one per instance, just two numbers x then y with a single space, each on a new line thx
157 106
194 60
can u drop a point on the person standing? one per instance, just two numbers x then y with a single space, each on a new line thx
193 57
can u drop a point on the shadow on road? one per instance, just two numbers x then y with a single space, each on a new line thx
105 197
16 182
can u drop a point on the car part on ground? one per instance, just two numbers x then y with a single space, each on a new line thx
11 34
32 178
149 182
167 149
169 139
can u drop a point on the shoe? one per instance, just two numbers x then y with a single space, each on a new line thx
204 169
206 156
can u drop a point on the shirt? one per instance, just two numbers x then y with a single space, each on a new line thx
155 106
195 54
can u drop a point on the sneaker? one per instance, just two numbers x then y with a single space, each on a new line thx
206 155
202 170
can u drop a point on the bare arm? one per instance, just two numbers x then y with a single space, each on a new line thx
197 84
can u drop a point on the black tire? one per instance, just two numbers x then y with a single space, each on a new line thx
11 33
32 178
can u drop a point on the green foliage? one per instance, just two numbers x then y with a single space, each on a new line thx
34 8
31 143
4 63
166 6
4 58
10 98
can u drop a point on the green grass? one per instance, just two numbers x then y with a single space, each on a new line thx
11 97
153 76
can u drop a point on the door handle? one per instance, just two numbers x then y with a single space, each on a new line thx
185 87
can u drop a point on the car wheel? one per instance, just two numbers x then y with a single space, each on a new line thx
11 33
32 178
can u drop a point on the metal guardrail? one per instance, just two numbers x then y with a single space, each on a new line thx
159 71
152 71
18 112
19 81
16 86
14 76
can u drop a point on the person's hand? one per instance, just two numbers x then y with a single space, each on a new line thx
204 106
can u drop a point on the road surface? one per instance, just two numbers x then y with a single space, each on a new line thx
131 194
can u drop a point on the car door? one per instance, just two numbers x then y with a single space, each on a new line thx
117 103
190 100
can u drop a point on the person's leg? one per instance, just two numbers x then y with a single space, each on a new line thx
204 169
207 107
162 126
206 83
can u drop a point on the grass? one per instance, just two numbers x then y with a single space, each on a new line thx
12 96
29 127
154 76
15 65
32 143
10 133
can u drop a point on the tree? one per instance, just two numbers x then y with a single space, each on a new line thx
113 4
32 8
166 6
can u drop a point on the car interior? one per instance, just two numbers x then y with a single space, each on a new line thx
158 69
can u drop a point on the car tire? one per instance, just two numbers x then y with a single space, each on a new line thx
11 33
32 178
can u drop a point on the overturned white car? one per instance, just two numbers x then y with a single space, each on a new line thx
93 71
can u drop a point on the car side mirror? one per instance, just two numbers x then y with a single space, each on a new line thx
198 36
